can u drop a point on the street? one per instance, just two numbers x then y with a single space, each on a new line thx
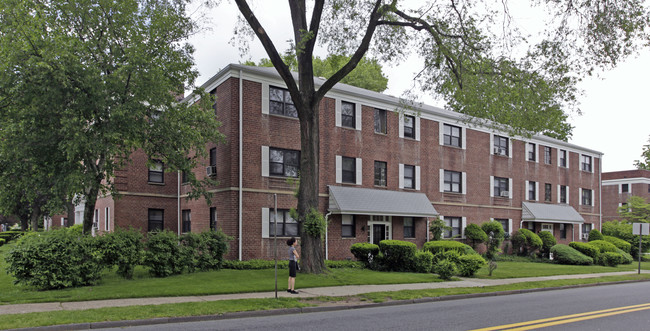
608 307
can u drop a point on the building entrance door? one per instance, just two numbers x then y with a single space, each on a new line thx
378 233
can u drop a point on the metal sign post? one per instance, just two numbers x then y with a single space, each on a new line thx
641 229
275 241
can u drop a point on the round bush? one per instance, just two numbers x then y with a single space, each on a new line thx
364 252
423 262
603 246
548 241
525 242
619 243
445 269
164 256
496 235
595 235
585 249
475 235
564 254
626 258
610 259
398 255
468 265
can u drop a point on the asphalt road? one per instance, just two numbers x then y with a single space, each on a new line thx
611 307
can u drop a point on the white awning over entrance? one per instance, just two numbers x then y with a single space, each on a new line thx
550 213
363 201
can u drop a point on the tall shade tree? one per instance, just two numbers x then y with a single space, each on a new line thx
636 210
107 75
644 163
465 61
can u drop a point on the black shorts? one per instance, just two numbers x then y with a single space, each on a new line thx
292 268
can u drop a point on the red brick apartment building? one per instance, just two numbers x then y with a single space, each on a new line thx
618 186
382 175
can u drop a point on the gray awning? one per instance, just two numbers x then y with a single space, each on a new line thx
363 201
550 213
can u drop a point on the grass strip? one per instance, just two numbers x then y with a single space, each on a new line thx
226 306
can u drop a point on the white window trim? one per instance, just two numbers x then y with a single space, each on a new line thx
536 191
359 173
580 196
441 135
536 147
401 126
417 178
337 112
358 168
357 114
265 161
401 175
547 230
509 145
265 222
492 186
416 174
441 186
462 227
416 126
510 226
339 169
265 98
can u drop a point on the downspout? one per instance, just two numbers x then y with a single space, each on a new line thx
600 194
241 150
326 230
178 201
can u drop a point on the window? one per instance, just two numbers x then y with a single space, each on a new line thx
347 226
586 228
548 195
187 224
284 162
586 197
505 223
349 169
531 152
185 177
501 186
547 155
155 220
380 173
348 115
586 163
452 136
409 176
409 126
380 121
625 188
563 155
563 194
409 227
532 191
453 181
96 220
547 227
212 168
455 224
156 172
280 102
562 231
213 218
286 226
501 145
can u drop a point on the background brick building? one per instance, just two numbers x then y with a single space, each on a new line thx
618 186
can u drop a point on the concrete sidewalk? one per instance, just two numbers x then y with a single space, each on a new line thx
334 291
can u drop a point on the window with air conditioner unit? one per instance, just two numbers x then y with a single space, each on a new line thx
211 170
505 194
585 236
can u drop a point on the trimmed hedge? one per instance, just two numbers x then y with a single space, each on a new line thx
364 252
397 255
603 246
121 248
626 258
610 259
475 235
254 264
595 235
548 241
586 249
2 241
440 246
423 262
564 254
619 243
525 242
469 264
164 256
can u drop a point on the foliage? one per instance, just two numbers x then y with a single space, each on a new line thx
637 210
122 248
439 246
315 224
603 246
445 269
586 249
164 256
548 241
595 235
525 242
344 264
564 254
468 265
438 227
623 231
475 235
94 81
254 264
610 259
54 259
10 235
2 241
364 252
626 258
204 251
619 243
397 255
423 262
496 235
644 163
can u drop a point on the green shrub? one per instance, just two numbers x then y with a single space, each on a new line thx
254 264
10 235
440 246
344 264
623 231
164 256
468 265
619 243
475 235
496 235
121 248
586 249
548 241
364 252
595 235
445 269
2 241
610 259
76 229
213 248
54 259
423 262
564 254
398 255
525 242
626 258
603 246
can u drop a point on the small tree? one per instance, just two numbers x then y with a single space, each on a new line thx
496 235
437 228
525 242
548 241
475 235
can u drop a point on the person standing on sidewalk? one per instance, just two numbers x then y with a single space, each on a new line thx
293 265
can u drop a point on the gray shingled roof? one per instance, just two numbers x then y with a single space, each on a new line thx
363 201
543 212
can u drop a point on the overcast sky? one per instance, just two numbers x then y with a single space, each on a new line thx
616 111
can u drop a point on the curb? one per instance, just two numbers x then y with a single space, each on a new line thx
305 310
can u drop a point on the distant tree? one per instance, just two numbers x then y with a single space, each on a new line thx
107 76
636 210
644 163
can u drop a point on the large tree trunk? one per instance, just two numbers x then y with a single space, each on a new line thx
36 212
312 247
89 209
69 206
